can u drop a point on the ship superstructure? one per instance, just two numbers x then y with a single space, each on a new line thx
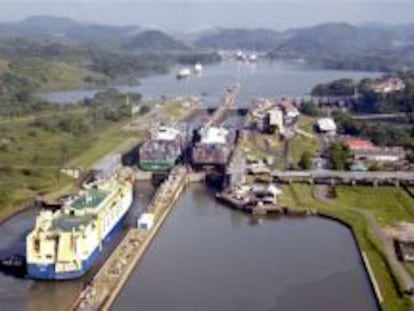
65 244
214 146
164 147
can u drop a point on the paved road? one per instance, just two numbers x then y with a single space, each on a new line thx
400 175
379 116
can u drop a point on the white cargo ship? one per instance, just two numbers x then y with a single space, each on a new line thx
66 243
184 73
198 68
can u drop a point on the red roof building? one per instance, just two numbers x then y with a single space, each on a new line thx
357 144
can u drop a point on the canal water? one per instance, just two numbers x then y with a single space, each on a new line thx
262 79
208 257
27 295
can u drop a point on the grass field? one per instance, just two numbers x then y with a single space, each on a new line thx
262 146
306 123
31 157
299 144
347 206
389 205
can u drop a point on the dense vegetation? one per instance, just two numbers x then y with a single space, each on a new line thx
368 100
330 45
16 96
343 46
154 41
34 147
399 131
305 162
254 39
59 53
341 87
381 133
338 154
309 108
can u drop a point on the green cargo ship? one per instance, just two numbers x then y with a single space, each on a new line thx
156 165
163 148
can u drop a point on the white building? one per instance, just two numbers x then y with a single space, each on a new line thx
146 221
388 85
326 125
276 119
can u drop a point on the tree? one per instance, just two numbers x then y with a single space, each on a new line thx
305 162
309 108
338 154
144 109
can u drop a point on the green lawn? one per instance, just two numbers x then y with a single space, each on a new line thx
306 123
31 158
299 144
103 144
389 205
345 207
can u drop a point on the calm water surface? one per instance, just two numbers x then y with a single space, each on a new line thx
208 257
19 294
263 79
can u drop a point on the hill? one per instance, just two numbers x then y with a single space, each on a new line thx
255 39
344 46
66 29
154 40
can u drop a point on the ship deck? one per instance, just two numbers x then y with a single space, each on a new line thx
92 198
68 223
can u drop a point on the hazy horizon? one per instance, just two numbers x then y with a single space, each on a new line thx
194 15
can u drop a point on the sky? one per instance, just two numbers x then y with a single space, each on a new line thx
194 15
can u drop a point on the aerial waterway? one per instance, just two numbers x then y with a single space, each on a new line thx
204 246
208 257
263 79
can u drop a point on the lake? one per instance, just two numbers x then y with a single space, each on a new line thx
262 79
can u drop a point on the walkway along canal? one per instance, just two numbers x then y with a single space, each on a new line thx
106 285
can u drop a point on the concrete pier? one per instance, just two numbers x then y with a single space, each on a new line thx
101 293
228 103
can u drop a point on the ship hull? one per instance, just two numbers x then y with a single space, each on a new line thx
47 272
156 165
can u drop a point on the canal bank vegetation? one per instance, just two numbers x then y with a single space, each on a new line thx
353 205
34 148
